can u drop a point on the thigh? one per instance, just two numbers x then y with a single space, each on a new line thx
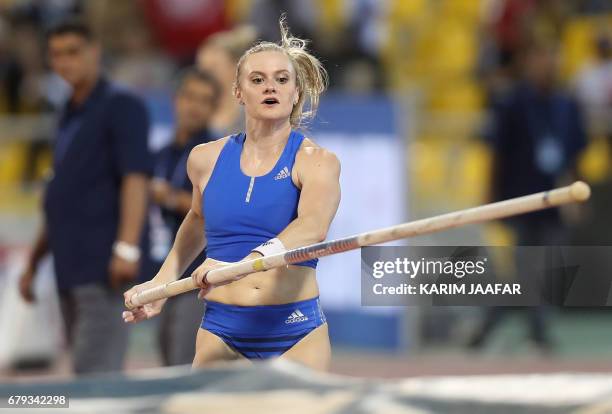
100 335
210 349
314 350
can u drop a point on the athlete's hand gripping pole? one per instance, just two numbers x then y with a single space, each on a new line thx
577 192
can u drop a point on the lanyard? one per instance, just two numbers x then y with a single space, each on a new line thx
65 136
548 126
177 179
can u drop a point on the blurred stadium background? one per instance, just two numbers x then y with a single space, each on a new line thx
407 113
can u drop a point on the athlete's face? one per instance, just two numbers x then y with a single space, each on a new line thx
267 86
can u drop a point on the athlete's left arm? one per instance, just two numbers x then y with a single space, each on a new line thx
318 174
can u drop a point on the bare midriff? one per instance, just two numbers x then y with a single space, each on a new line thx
278 286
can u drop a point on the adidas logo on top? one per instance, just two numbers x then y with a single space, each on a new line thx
284 173
296 316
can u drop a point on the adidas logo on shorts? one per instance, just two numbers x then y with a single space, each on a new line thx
284 173
296 316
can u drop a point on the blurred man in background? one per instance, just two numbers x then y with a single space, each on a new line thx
219 55
537 136
195 102
538 133
94 203
594 88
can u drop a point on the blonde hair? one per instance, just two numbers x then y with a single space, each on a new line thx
311 76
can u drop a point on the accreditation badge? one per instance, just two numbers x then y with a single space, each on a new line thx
549 155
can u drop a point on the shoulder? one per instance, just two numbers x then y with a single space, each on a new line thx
312 152
203 157
126 108
311 157
121 96
163 152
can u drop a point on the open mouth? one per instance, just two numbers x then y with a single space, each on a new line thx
270 101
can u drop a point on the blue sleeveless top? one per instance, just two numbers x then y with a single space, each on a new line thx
242 212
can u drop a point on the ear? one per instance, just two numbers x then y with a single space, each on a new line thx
296 97
238 95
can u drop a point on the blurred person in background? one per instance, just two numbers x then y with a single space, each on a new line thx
537 135
594 88
95 201
219 55
25 81
25 68
138 62
132 53
194 105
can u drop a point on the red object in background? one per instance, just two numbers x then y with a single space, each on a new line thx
509 28
181 25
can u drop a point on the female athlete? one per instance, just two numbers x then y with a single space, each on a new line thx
258 193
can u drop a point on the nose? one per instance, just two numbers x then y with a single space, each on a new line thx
269 87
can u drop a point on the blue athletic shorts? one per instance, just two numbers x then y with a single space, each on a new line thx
266 331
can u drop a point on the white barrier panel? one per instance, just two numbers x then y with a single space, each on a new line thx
29 332
373 196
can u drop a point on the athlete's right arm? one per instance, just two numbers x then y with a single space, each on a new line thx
190 239
189 242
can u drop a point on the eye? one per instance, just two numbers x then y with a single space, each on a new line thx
283 79
257 80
